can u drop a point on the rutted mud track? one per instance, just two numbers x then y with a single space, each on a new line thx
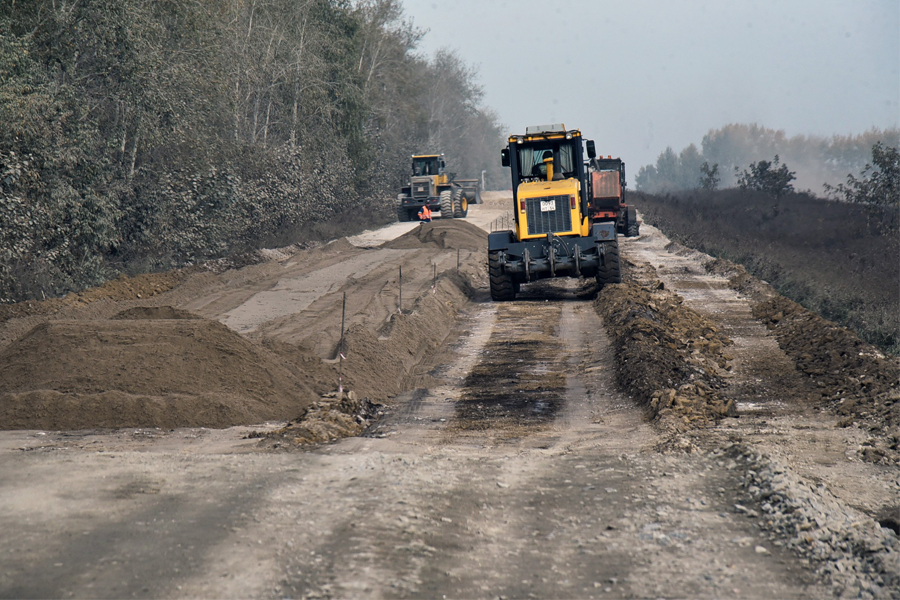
520 380
507 463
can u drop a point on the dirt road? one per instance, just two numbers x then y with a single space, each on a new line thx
507 463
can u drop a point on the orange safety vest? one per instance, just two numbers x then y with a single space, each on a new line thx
425 213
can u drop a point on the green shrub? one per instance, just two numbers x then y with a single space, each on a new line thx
770 178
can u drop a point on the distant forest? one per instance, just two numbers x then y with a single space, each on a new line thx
140 135
817 161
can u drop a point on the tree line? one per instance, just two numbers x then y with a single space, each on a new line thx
146 134
742 154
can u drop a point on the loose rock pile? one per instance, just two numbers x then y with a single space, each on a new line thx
333 416
668 356
859 557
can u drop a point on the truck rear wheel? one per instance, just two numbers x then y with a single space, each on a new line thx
446 204
502 287
633 225
460 204
609 270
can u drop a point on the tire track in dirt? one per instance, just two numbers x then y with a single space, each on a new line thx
519 383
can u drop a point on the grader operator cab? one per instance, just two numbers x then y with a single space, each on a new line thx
554 233
431 186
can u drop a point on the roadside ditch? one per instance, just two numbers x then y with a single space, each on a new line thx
853 378
667 354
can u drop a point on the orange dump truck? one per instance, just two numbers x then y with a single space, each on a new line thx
607 195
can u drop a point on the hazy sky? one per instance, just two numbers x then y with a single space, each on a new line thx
638 76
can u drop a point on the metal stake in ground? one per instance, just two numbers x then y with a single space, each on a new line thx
341 348
433 277
457 260
400 303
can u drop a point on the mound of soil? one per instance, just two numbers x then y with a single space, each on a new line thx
668 356
138 372
156 312
378 363
445 234
837 259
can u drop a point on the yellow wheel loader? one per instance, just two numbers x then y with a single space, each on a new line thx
432 186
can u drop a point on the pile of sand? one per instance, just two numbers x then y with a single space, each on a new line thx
141 371
165 367
445 234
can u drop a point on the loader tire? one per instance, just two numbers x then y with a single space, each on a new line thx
460 204
502 286
402 213
609 270
446 204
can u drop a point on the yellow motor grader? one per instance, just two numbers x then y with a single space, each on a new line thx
555 233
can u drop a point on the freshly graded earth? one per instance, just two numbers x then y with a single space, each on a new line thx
653 439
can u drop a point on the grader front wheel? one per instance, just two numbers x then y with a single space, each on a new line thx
609 270
502 286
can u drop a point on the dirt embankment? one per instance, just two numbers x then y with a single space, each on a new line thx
161 366
835 258
379 361
853 378
669 358
121 288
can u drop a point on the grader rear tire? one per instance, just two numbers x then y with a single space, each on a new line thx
610 271
633 228
446 204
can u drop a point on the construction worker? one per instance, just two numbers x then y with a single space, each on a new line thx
425 214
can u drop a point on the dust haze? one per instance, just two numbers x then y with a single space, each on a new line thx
641 76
